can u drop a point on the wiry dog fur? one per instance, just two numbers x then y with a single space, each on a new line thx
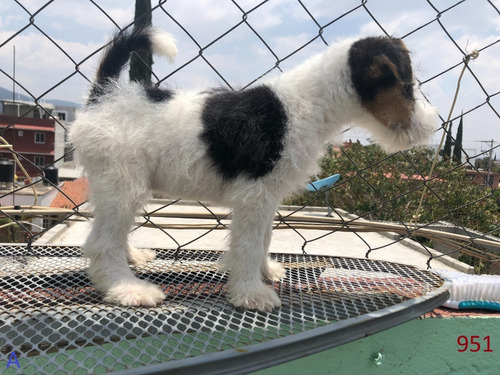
245 150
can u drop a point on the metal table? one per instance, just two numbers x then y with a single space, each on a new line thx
55 322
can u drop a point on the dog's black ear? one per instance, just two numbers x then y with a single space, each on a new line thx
379 63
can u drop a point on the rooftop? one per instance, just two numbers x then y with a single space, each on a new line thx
28 103
188 227
27 123
71 194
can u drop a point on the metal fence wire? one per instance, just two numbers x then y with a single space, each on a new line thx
55 321
459 217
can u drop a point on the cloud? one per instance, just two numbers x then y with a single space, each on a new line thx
80 28
471 25
89 15
41 65
284 45
321 9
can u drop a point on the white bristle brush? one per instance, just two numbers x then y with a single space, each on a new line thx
472 291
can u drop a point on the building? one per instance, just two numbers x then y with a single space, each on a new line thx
37 132
66 115
32 138
71 194
481 177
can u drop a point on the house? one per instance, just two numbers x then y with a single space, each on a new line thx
32 138
71 194
37 133
481 177
66 115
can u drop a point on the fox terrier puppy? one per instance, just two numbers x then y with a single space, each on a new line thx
242 149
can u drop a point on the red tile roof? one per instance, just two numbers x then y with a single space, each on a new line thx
76 190
29 127
39 123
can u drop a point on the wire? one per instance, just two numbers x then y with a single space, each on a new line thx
415 218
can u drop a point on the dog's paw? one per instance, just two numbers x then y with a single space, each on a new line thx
140 256
135 293
261 298
273 271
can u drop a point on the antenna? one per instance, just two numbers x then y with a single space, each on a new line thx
14 76
14 125
490 158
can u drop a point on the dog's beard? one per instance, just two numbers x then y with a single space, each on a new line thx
399 136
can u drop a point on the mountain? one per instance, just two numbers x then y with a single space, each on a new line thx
7 94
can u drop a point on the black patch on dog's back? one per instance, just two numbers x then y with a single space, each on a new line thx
244 131
156 95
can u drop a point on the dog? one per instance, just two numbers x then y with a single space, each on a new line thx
242 149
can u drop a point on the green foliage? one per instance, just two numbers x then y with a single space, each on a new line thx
484 164
447 144
12 233
388 187
457 150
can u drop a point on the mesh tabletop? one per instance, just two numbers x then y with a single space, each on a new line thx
56 322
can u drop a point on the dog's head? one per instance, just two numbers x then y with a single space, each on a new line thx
382 76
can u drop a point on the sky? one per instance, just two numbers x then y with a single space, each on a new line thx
41 30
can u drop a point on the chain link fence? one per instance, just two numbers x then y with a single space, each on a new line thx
241 43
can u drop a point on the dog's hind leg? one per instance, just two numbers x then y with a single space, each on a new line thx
140 256
108 250
250 222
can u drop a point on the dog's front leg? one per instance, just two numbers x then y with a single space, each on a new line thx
108 251
247 254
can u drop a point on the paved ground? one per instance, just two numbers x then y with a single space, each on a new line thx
284 240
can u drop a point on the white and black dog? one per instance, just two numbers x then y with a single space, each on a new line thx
242 149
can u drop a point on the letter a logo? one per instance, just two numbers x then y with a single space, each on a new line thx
13 359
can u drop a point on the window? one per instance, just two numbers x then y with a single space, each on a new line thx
61 115
39 161
39 137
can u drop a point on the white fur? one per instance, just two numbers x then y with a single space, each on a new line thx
130 146
163 44
423 123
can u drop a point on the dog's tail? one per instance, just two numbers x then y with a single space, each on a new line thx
118 53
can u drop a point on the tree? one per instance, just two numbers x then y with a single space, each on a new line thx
377 186
380 187
457 151
141 62
447 144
